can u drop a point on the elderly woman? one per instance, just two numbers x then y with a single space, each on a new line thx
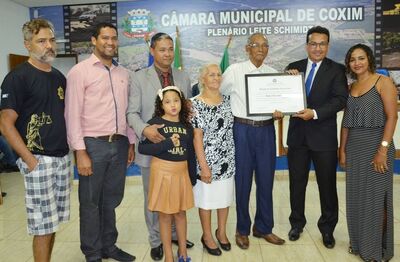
214 147
367 152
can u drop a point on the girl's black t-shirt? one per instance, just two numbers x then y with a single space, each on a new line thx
166 150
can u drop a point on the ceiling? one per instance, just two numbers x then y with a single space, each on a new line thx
35 3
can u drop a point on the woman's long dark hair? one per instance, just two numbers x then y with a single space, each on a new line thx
184 114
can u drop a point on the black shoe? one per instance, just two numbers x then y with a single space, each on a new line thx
95 260
3 194
211 251
189 244
224 246
328 240
119 255
294 233
157 253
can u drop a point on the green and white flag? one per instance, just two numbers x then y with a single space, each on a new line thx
177 52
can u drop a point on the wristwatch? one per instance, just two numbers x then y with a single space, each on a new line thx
384 143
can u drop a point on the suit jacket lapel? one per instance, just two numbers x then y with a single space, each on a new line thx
175 76
153 79
319 76
303 67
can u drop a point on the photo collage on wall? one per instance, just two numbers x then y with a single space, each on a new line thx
79 22
387 38
391 34
55 15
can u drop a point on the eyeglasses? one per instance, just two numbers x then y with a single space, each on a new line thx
320 45
256 45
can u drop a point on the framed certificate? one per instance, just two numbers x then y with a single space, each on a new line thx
266 93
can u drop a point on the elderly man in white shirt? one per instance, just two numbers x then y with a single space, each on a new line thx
254 147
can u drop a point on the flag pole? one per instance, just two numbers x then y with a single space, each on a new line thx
177 51
229 40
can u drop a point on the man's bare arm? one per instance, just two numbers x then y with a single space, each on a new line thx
8 117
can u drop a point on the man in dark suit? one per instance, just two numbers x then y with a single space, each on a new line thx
312 135
143 91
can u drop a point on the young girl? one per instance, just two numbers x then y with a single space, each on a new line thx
170 189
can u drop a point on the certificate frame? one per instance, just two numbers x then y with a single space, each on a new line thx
266 93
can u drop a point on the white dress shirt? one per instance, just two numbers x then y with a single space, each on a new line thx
309 66
233 84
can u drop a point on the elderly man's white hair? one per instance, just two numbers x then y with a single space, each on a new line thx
249 40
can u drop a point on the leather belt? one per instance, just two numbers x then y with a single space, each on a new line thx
253 122
110 138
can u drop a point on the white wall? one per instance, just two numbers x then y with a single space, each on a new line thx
12 17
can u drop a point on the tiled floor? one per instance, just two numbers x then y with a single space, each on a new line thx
15 244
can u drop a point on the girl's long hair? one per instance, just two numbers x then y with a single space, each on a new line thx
184 114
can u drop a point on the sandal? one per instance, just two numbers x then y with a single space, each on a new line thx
182 259
350 250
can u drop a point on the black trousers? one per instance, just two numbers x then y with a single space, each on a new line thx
100 194
325 162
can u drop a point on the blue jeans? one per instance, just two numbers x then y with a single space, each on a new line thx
100 194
